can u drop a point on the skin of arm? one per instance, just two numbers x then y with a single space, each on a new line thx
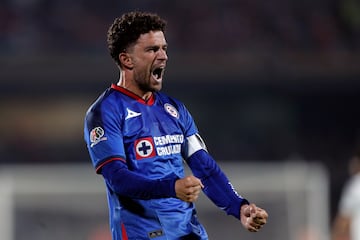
341 228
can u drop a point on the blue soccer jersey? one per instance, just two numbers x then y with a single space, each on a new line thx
151 139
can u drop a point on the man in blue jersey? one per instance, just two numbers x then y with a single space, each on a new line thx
138 138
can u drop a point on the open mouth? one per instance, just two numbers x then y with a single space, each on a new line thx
158 73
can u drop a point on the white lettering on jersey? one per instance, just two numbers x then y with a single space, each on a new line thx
234 190
168 150
160 146
167 139
168 144
131 114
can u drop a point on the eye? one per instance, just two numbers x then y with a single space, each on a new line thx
153 49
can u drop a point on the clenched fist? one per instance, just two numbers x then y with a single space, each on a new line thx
188 188
253 217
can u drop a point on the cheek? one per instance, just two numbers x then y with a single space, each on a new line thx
141 75
142 65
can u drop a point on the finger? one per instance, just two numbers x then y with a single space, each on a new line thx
262 211
254 229
194 190
257 220
198 183
252 223
192 181
192 198
261 214
193 195
258 227
261 218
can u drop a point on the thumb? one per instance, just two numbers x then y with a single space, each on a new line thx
252 210
245 210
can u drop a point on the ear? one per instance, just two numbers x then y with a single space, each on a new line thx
126 60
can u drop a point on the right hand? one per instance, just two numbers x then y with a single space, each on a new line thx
188 188
252 217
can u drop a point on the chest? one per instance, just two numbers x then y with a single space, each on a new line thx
153 138
155 120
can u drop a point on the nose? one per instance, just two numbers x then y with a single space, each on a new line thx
162 55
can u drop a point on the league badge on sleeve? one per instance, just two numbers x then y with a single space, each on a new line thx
96 136
171 110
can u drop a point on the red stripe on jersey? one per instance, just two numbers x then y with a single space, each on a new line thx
149 102
107 161
123 232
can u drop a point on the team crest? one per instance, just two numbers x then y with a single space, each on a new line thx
171 110
144 148
96 136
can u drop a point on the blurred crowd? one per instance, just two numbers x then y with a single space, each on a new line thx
57 26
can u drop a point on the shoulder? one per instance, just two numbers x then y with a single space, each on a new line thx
176 108
163 98
107 102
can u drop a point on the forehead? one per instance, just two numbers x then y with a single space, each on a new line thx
151 38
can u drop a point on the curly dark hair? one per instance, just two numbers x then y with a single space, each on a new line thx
126 30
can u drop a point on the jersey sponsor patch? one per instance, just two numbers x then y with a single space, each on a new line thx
144 148
158 146
96 136
171 110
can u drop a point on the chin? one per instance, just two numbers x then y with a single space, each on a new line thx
157 87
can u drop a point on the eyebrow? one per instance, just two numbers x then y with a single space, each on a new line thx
155 46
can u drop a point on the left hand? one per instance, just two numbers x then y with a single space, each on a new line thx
252 217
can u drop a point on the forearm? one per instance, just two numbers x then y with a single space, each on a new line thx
129 184
216 185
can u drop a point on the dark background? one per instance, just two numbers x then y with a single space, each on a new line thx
265 80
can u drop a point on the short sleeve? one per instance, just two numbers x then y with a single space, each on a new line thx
103 135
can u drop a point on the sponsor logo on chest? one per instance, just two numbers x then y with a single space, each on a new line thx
158 146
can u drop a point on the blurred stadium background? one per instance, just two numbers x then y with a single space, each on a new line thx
268 82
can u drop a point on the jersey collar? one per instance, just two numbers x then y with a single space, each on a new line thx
149 102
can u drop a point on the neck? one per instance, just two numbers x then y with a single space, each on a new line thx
130 86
